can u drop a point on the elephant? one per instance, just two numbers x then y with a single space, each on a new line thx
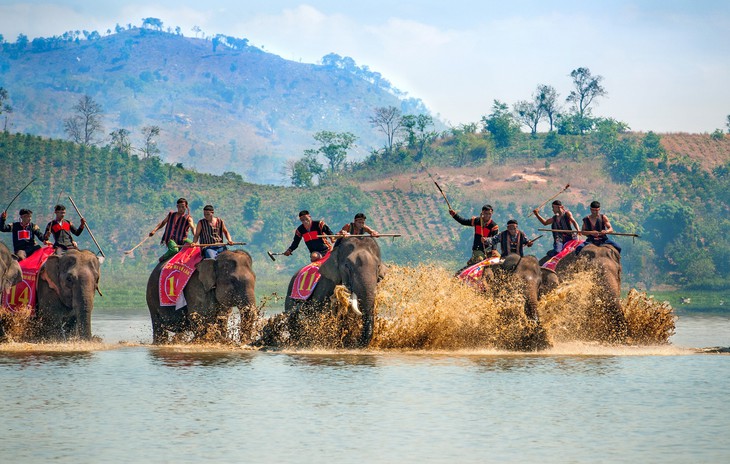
9 269
66 288
10 275
527 270
215 287
607 261
354 263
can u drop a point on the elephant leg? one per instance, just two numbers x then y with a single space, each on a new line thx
249 317
368 322
618 325
158 331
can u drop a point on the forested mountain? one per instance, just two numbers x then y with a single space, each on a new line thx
673 190
221 104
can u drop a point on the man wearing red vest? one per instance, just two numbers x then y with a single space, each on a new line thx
62 230
310 231
484 228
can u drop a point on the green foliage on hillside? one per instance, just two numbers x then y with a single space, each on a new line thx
679 209
221 104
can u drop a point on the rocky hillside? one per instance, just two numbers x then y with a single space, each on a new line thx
222 105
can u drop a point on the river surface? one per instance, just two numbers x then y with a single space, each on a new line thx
123 400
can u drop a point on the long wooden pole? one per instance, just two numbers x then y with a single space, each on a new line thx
552 198
18 194
570 231
205 245
437 186
358 235
87 226
129 252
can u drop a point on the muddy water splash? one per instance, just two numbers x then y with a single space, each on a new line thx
426 308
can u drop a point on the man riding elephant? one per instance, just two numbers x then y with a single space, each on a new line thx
310 231
484 228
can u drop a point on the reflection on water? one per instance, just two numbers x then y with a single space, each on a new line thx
332 360
199 356
28 357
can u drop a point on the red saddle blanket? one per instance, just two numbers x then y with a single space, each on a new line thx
473 274
307 279
568 248
23 294
176 273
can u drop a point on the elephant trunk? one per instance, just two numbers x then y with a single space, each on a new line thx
364 289
616 317
83 305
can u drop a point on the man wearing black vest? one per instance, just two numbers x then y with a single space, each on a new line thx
24 234
310 231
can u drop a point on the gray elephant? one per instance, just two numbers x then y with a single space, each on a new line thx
354 263
607 261
9 269
10 275
216 286
528 273
66 288
532 282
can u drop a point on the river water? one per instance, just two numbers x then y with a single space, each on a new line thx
124 400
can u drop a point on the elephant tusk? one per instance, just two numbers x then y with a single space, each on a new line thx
354 305
98 291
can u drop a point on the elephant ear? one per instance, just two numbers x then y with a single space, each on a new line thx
511 262
207 273
614 254
382 270
52 272
331 268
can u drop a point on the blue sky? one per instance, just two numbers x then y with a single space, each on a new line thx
665 63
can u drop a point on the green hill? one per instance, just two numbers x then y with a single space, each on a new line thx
221 104
678 202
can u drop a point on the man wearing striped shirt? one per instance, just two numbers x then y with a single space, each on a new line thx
212 230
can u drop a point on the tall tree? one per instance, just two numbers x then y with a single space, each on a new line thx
5 107
528 113
418 132
501 125
120 141
586 89
83 126
152 23
150 134
334 146
304 169
388 121
547 98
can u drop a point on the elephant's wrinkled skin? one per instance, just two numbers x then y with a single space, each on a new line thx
607 261
527 270
66 288
216 286
356 264
10 273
